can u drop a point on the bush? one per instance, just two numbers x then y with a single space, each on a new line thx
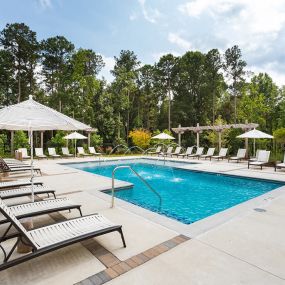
57 141
140 138
21 140
96 140
3 141
279 135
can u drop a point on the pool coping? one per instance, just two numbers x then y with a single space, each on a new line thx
199 227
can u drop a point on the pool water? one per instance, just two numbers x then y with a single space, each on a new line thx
187 196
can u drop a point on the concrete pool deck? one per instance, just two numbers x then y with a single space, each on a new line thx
245 245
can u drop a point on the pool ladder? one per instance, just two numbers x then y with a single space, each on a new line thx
139 176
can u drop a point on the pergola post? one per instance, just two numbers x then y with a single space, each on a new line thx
89 133
42 139
198 137
220 139
12 143
179 136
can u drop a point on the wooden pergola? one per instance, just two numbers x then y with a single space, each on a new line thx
218 128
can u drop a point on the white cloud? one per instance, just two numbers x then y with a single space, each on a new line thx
179 41
45 4
256 26
271 68
150 14
133 16
109 65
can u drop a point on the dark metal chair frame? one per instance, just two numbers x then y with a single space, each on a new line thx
21 236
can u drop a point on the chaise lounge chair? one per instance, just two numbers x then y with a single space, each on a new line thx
43 207
157 151
280 165
52 237
24 153
39 153
65 152
240 155
262 159
93 151
187 152
222 154
198 153
5 168
168 152
177 151
52 153
18 183
209 153
81 151
25 191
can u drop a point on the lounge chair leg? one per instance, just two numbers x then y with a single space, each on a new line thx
54 195
79 209
122 236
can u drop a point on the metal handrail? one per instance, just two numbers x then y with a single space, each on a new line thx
139 176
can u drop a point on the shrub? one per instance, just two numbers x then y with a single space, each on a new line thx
58 141
140 138
279 135
3 141
21 140
96 140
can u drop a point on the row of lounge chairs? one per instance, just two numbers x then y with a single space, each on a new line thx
261 159
189 153
39 152
48 237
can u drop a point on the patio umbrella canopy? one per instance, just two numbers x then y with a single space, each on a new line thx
32 116
255 134
75 136
163 136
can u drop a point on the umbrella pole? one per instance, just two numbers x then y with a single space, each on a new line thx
75 148
32 164
254 154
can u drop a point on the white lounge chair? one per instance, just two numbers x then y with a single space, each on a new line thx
157 151
222 154
209 153
5 168
41 208
52 153
55 236
254 158
24 152
65 152
39 153
18 183
188 151
25 191
177 151
81 151
240 155
198 153
168 152
280 165
93 151
262 159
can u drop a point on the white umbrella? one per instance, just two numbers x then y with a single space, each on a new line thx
255 134
75 136
163 136
32 116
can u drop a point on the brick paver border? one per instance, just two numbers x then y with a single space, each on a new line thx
116 267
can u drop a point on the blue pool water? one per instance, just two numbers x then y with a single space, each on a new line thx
187 196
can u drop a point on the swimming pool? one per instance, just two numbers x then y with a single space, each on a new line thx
187 196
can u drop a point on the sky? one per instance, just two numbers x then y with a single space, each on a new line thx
152 28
